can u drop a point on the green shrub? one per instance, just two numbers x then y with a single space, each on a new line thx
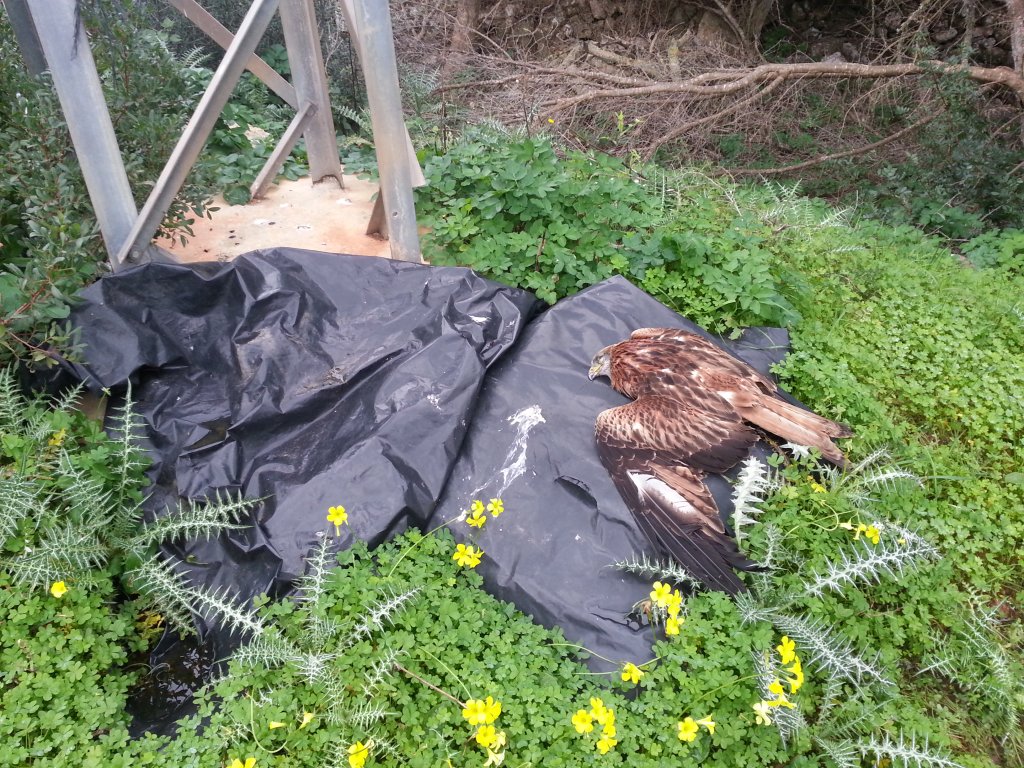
49 239
62 684
999 249
961 178
517 212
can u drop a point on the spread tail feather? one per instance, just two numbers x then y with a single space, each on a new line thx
797 425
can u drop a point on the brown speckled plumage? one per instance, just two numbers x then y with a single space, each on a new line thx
692 410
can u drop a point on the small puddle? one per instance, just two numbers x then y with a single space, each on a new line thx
164 694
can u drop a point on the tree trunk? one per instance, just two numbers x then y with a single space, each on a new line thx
1015 15
467 15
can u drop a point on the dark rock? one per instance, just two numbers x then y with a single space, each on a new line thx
850 52
823 48
945 35
893 19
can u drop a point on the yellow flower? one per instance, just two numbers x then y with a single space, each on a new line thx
275 724
485 735
338 516
58 589
583 721
604 715
250 762
475 712
786 649
605 743
871 532
357 754
674 604
57 438
609 730
551 120
477 520
496 507
708 723
479 712
632 673
763 713
477 507
467 556
661 594
797 679
688 729
306 718
672 626
780 699
815 485
493 709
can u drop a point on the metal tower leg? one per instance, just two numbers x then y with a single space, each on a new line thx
376 47
199 127
302 40
81 97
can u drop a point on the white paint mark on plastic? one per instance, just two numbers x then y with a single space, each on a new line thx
515 460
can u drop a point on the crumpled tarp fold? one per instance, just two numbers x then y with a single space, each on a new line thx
399 391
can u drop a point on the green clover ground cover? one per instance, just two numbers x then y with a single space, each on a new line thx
886 630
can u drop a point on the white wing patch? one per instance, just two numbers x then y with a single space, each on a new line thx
661 493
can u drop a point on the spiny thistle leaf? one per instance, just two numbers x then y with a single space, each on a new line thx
380 669
752 485
867 563
313 666
194 520
17 502
76 547
33 571
662 570
125 442
270 650
974 659
312 585
378 615
158 582
367 713
904 751
85 494
224 606
832 655
12 404
842 752
863 479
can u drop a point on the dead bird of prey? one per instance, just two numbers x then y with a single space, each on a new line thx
692 413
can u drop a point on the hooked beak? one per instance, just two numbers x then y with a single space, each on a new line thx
593 372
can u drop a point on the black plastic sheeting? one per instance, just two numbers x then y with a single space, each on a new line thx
532 444
310 379
317 379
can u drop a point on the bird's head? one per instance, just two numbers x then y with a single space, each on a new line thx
601 365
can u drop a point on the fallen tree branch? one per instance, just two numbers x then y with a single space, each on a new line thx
710 83
834 156
679 130
622 61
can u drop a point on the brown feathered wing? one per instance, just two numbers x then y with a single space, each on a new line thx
657 451
687 367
